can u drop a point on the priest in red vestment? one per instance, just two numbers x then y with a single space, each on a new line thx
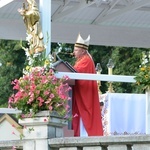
85 106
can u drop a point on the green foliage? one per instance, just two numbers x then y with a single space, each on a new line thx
127 62
12 60
101 54
143 77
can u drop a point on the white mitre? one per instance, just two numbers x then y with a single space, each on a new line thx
82 43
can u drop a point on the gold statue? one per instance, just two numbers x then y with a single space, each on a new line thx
31 19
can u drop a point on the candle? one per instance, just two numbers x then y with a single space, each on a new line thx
110 71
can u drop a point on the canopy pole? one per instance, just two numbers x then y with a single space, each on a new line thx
45 14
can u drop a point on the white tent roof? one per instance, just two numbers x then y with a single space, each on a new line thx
109 22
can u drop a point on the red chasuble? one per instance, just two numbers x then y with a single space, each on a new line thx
86 100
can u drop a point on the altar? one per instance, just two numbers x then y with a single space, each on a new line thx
124 113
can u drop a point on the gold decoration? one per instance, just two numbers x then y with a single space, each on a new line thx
31 19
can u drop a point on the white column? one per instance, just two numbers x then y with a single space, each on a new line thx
148 111
45 14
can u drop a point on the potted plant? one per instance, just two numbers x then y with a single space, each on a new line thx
40 90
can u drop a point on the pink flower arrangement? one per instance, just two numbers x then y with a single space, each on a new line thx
40 90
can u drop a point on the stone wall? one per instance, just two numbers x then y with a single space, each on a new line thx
125 142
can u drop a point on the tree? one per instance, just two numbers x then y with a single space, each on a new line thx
12 59
127 62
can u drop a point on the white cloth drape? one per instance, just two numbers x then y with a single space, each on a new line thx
148 111
124 113
83 132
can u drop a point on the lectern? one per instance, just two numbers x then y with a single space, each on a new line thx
64 66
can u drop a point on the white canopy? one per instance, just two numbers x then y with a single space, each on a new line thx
109 22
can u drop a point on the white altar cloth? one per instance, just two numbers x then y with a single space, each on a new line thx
124 113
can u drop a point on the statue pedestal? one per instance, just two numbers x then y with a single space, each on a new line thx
39 129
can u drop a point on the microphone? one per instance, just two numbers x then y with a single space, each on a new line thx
65 53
